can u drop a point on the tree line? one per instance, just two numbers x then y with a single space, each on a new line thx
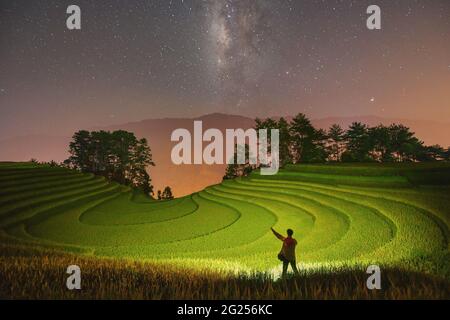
301 142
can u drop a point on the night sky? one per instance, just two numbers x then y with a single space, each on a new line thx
134 60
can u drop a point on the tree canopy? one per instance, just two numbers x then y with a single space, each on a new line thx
119 156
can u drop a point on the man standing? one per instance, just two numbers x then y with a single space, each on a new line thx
287 253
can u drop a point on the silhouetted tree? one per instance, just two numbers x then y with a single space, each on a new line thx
336 142
235 169
285 156
320 152
166 194
307 143
302 135
81 155
403 143
447 154
141 158
432 153
357 143
413 150
267 124
53 163
231 171
380 143
282 125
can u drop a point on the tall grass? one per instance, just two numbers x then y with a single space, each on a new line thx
44 277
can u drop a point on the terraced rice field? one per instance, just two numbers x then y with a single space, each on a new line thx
341 215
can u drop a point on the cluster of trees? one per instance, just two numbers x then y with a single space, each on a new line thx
119 156
166 194
301 142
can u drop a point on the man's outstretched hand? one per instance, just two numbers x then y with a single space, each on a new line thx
279 236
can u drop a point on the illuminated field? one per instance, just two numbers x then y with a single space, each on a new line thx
341 215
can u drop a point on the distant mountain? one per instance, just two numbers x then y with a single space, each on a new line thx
186 179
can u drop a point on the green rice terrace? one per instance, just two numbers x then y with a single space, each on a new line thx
342 215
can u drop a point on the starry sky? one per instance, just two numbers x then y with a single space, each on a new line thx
134 60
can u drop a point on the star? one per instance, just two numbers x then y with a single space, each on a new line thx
219 54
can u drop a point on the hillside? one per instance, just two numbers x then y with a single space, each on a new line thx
342 215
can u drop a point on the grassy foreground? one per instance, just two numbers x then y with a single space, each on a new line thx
43 276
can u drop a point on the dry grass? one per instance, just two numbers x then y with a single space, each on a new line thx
44 277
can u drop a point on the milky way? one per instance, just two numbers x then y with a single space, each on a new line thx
240 45
139 59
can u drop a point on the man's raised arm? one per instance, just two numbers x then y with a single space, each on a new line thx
279 236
